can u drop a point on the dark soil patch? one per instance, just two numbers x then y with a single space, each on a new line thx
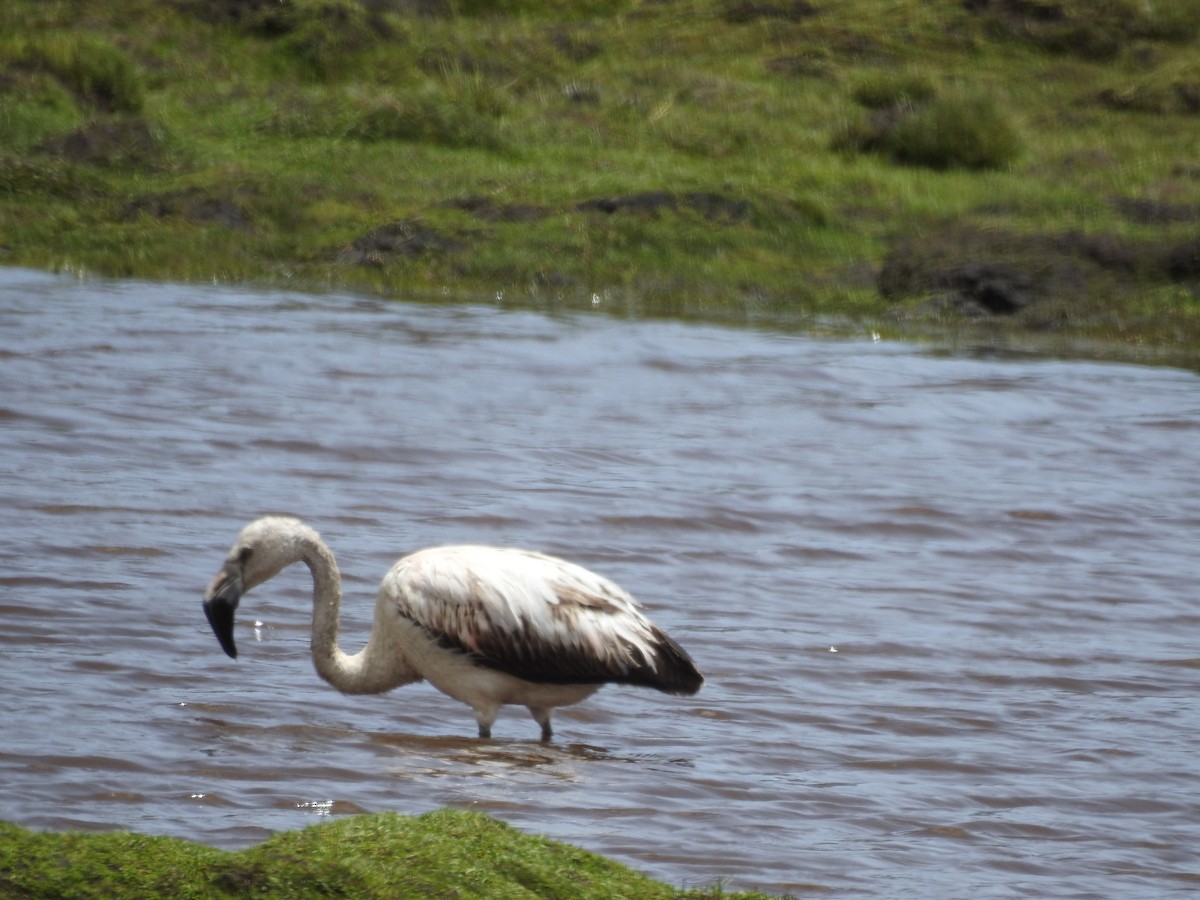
491 211
990 288
986 273
1108 251
128 143
1098 31
1156 212
276 18
574 46
739 12
1033 10
1187 94
712 206
192 204
397 240
265 17
1182 262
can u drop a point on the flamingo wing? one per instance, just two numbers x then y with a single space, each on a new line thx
538 618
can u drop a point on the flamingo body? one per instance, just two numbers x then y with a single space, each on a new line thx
487 626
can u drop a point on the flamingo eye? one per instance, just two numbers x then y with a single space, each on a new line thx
244 555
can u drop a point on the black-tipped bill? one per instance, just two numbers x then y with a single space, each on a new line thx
220 603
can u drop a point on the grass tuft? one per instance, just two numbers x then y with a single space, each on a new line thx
459 115
96 73
324 38
968 132
441 854
887 89
1173 87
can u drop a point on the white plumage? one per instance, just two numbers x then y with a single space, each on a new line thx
488 626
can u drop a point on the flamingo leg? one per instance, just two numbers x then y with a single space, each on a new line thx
485 717
541 715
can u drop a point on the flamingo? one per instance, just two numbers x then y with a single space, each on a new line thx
488 626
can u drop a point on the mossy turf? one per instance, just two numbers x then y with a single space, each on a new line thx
449 854
767 161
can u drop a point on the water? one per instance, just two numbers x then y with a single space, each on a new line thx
946 605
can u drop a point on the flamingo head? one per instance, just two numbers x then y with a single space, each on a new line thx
264 548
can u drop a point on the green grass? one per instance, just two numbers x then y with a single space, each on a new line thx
448 854
522 133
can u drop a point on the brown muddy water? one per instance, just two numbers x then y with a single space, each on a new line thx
946 603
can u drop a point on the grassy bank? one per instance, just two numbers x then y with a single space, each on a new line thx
449 854
1000 166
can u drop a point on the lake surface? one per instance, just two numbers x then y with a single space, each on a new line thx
946 603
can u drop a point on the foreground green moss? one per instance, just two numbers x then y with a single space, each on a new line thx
449 853
734 160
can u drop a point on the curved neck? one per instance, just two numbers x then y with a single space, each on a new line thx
370 671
